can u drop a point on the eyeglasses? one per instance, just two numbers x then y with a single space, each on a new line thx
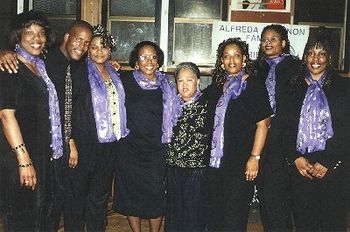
148 57
271 40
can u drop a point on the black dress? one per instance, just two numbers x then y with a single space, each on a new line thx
230 193
28 95
140 166
274 184
320 204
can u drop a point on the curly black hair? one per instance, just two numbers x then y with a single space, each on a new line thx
107 39
25 20
135 53
219 73
283 33
322 39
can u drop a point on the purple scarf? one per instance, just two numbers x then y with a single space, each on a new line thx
232 89
315 122
180 104
54 110
169 98
99 95
271 79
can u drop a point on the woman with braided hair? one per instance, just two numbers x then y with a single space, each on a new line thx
240 127
99 122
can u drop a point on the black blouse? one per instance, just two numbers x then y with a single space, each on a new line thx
241 117
338 147
191 140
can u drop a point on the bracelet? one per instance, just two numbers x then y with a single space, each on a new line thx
256 157
20 149
25 165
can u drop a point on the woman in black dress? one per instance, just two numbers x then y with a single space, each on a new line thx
275 66
240 128
99 121
316 140
30 120
140 166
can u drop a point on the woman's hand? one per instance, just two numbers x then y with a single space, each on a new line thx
303 166
73 155
26 170
8 61
318 170
252 168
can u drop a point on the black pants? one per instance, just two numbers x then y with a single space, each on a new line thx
187 199
274 192
320 205
82 192
230 196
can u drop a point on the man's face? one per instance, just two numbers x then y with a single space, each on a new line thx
77 42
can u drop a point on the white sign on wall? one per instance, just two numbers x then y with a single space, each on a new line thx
250 32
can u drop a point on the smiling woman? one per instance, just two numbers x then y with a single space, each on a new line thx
30 118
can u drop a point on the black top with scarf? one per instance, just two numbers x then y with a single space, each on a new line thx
285 71
337 148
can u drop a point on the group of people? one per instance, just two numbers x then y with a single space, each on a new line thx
71 123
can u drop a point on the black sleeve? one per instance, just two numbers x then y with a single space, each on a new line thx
9 90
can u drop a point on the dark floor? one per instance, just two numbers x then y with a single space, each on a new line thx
119 223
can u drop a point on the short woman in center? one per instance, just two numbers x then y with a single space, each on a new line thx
242 117
140 166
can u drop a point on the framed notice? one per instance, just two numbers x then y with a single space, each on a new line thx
261 5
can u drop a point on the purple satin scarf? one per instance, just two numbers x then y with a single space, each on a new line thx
232 89
55 118
99 95
271 79
315 122
180 104
169 100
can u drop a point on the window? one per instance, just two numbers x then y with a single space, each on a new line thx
331 16
185 24
131 21
61 13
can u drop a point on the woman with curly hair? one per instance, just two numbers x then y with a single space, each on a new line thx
242 117
30 118
99 122
275 66
316 140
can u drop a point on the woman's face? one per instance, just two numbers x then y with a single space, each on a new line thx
147 62
233 59
316 61
33 39
271 44
187 83
97 52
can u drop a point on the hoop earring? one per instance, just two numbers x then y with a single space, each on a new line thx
136 66
17 46
223 66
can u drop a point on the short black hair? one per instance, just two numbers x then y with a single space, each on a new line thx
80 23
25 20
135 51
189 66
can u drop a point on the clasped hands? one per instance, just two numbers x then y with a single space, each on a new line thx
309 170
